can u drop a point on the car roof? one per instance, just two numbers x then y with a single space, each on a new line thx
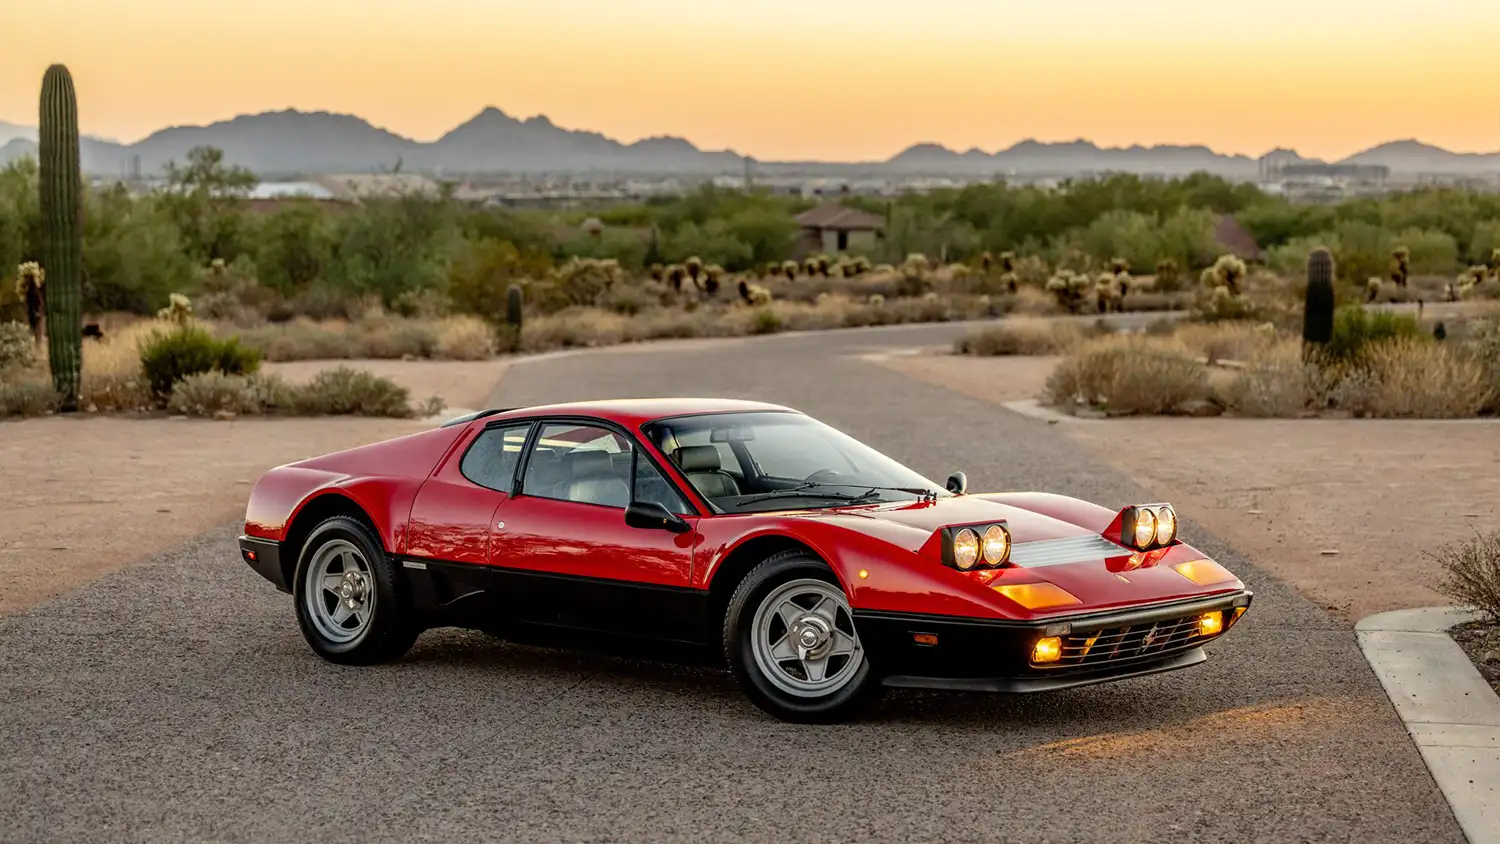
632 413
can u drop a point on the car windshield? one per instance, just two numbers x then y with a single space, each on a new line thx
746 462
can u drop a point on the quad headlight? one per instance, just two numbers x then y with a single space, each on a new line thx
976 546
1148 526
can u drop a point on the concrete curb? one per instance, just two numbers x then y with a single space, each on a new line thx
1036 410
1449 710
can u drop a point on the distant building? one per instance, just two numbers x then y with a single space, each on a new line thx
832 228
356 186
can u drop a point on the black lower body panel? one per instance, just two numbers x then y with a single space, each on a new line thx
941 652
264 555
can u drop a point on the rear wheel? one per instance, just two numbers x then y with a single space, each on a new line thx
790 640
348 605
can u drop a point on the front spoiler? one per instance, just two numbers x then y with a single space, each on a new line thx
994 655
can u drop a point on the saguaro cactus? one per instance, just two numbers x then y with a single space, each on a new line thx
62 231
1317 312
513 306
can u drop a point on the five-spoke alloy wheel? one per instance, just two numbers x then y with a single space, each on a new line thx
790 639
347 602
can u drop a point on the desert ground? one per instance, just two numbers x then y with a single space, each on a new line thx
125 523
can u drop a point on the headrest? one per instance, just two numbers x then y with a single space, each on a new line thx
696 458
584 464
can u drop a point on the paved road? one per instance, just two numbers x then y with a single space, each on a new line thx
175 701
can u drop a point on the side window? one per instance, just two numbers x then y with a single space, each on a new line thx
651 486
492 457
582 463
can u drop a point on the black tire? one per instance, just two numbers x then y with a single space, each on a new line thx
392 627
759 584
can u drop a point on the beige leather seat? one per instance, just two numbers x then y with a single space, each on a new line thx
701 465
593 480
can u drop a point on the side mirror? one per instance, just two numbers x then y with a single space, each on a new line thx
649 515
958 483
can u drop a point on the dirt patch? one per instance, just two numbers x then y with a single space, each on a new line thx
461 385
1379 493
85 495
1481 641
995 379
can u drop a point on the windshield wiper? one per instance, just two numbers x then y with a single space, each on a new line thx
805 491
921 493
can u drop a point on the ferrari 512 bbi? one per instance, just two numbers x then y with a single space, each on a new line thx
823 569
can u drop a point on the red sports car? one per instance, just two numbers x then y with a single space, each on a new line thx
822 568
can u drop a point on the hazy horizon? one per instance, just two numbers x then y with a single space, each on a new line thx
842 80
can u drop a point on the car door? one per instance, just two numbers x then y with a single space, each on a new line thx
453 514
563 543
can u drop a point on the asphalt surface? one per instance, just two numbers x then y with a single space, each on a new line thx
175 701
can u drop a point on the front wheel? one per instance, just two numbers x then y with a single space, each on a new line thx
790 640
347 601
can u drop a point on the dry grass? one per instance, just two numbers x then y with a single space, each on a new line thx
1276 382
1021 336
1419 379
1229 340
1129 374
376 335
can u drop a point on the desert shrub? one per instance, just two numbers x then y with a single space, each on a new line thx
1471 574
1276 382
767 321
464 338
1354 328
216 394
170 356
27 397
345 391
1129 374
17 346
1425 380
1020 337
1483 344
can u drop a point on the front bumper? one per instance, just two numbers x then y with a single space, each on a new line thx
264 555
994 655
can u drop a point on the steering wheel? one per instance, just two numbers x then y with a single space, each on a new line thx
823 476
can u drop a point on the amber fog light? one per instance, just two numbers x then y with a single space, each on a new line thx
1211 623
1048 649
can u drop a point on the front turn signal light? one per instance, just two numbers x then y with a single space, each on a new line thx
1037 596
1048 649
1211 623
1203 572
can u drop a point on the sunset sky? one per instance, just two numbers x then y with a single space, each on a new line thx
791 79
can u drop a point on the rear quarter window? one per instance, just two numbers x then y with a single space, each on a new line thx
492 458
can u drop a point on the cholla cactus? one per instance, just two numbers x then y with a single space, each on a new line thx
217 266
179 310
675 276
1229 270
758 295
1495 260
711 276
1007 262
694 267
986 304
584 280
861 264
1119 266
958 272
27 274
656 271
1010 282
1372 289
810 266
1400 266
821 262
916 262
877 300
1106 293
986 260
1167 273
789 269
1069 289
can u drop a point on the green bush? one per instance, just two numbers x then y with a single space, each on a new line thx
1355 328
170 356
214 393
17 347
27 397
345 391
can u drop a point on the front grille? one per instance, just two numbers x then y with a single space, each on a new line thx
1130 643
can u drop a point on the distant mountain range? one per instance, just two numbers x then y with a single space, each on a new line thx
294 142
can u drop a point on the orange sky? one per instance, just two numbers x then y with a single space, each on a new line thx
791 79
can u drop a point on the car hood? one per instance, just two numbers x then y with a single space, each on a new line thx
910 525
